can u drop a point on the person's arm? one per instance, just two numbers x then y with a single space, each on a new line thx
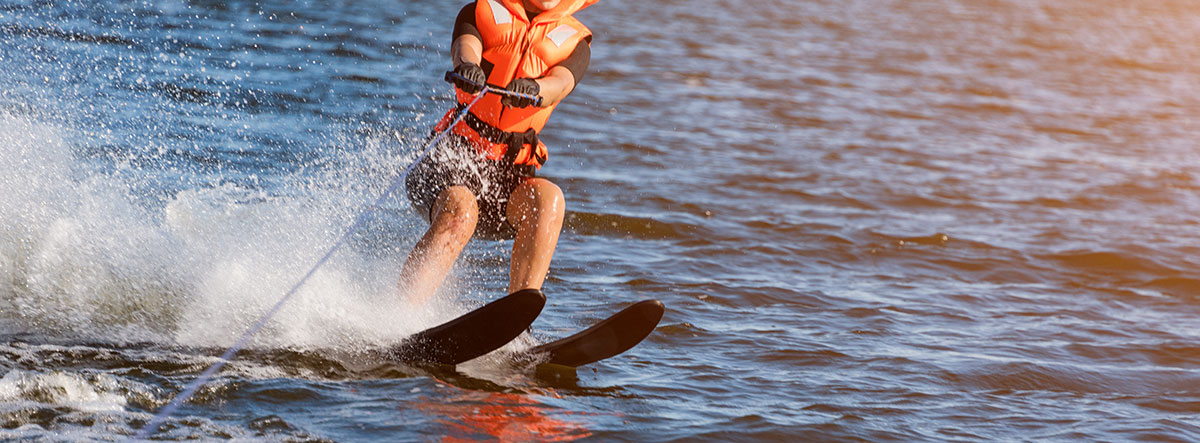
467 48
466 51
467 44
551 87
555 85
562 78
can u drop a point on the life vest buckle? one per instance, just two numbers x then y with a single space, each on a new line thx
523 142
521 148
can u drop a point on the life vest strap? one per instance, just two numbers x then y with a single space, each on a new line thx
529 150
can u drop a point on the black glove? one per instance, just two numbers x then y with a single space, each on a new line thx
471 77
521 86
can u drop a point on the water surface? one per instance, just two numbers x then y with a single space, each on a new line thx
869 220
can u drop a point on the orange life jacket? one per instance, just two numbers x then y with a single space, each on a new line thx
516 47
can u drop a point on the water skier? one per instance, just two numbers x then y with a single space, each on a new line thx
481 181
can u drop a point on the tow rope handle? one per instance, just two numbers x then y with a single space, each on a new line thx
451 76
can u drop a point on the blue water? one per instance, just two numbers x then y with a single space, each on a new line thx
869 220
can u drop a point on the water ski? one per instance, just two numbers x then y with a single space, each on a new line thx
605 339
475 333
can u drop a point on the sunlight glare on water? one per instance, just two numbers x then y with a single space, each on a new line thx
903 220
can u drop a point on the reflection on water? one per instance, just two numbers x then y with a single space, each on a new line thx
472 415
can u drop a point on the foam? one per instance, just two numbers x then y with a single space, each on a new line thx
100 393
84 255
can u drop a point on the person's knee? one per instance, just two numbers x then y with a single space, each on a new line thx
550 199
537 199
456 212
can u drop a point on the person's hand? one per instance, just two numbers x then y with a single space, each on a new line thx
521 86
471 77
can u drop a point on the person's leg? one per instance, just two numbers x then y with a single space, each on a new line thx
452 222
536 210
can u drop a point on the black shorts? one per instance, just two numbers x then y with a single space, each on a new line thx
455 163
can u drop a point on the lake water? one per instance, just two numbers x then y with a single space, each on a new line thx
877 220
